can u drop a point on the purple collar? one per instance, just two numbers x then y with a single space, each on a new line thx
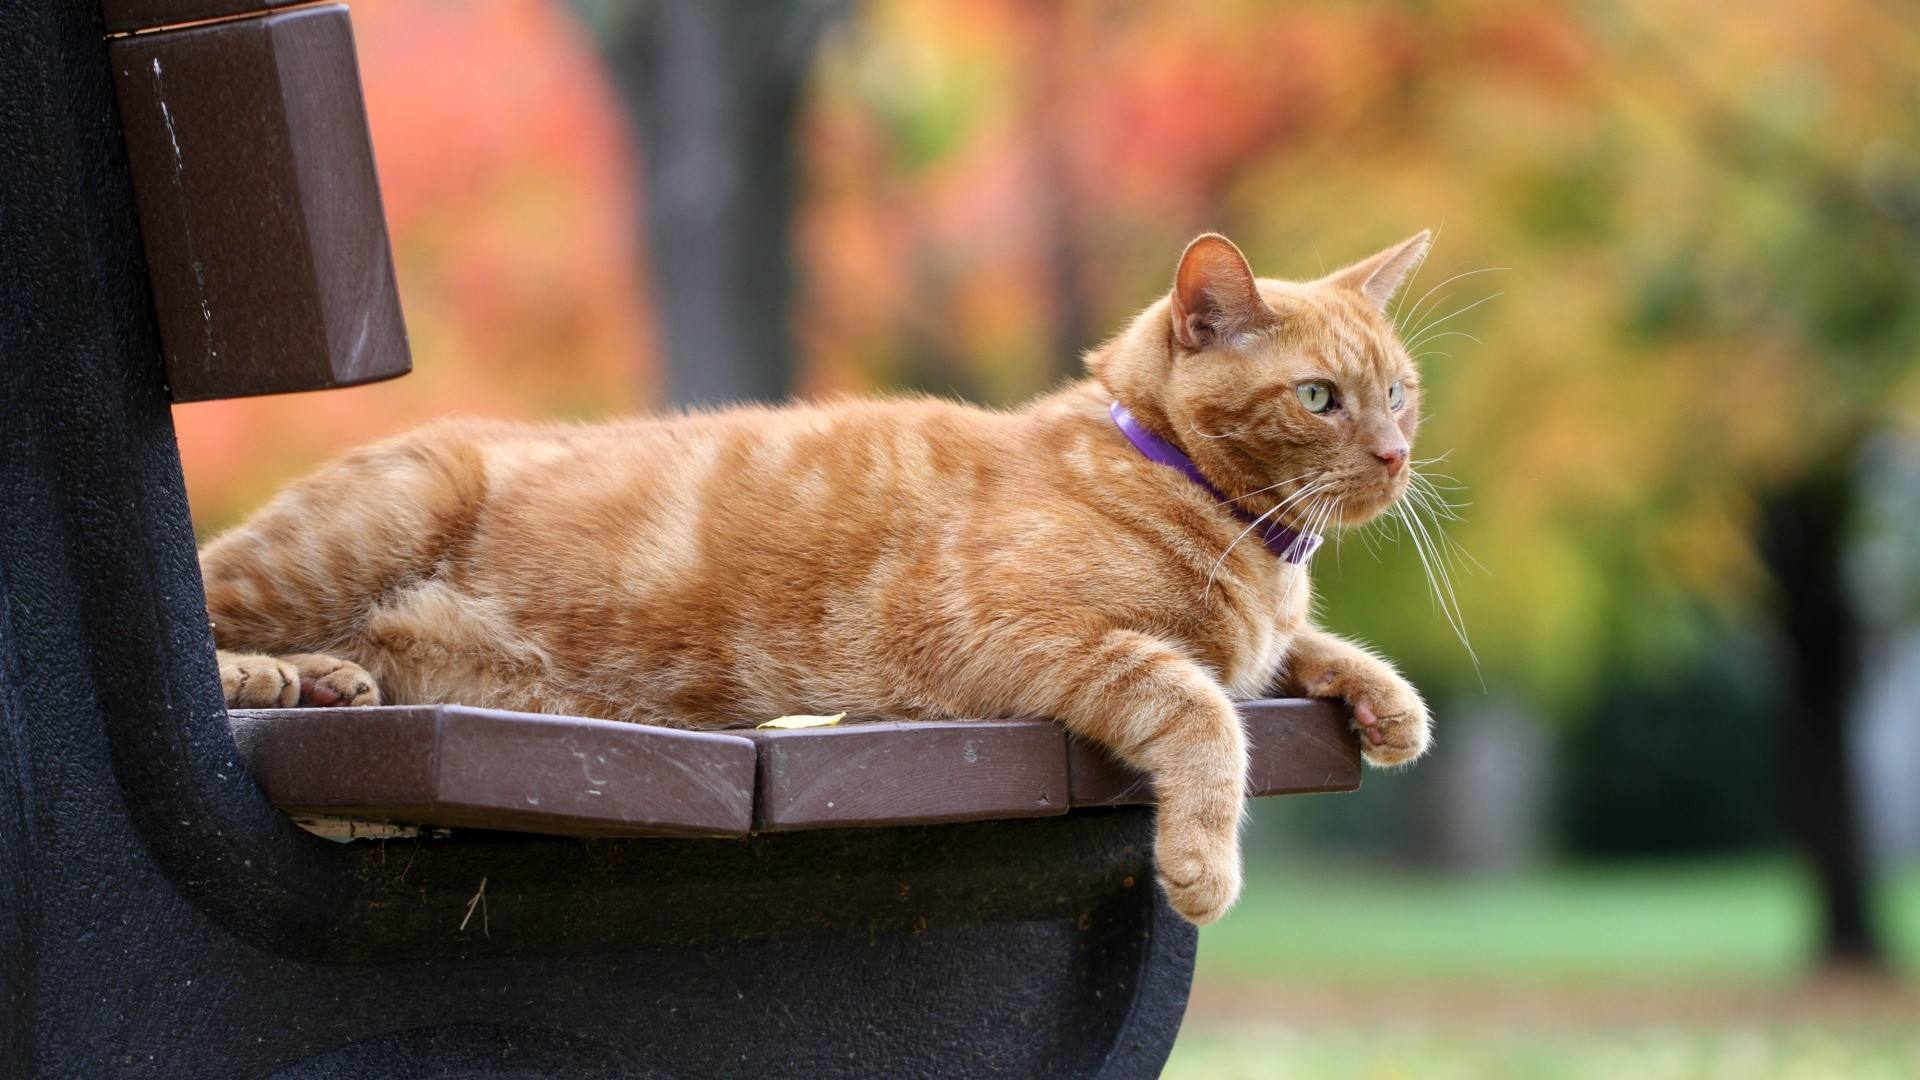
1289 544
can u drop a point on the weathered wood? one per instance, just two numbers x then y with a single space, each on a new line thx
127 16
909 774
481 768
259 207
1295 746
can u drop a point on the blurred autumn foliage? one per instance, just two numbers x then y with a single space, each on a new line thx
506 179
990 186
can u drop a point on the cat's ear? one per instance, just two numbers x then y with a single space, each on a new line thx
1214 297
1377 277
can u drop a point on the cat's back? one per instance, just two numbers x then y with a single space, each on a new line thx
836 485
842 449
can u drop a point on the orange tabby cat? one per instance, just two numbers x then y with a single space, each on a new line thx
902 558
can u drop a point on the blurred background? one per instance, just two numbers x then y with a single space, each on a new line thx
1671 826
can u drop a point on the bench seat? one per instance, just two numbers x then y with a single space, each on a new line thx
461 767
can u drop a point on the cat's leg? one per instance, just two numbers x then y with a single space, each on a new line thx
299 579
1393 721
1158 710
253 681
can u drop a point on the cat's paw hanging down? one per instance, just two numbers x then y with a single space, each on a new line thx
1198 858
253 681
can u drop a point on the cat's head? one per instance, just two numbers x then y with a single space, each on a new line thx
1301 388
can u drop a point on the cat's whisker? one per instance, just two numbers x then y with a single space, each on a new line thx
1421 496
1264 490
1426 496
1414 313
1203 435
1306 489
1430 493
1400 300
1207 592
1333 515
1414 337
1455 551
1445 551
1312 514
1365 532
1439 583
1409 333
1455 333
1421 335
1372 530
1435 490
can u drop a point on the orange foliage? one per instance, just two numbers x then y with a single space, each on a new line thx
505 170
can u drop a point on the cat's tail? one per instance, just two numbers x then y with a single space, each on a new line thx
304 573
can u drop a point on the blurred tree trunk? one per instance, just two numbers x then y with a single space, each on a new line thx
1057 189
1803 539
713 89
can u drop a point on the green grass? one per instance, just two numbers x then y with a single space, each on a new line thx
1337 973
1739 920
1749 1053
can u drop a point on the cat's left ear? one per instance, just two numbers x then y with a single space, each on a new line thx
1215 297
1378 277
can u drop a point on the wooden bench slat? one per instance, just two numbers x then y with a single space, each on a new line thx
481 768
259 205
1295 746
128 16
909 774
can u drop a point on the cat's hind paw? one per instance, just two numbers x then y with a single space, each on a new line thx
253 681
328 680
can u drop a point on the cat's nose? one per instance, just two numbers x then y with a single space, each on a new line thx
1393 456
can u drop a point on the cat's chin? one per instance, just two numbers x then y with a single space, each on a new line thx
1355 516
1359 509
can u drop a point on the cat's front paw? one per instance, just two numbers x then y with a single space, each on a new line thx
328 680
252 681
1198 863
1394 725
1393 721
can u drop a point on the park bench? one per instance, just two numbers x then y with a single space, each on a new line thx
188 210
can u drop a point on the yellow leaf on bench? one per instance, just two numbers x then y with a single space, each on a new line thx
788 723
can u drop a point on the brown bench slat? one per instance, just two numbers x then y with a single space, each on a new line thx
909 774
481 768
127 16
1295 746
259 206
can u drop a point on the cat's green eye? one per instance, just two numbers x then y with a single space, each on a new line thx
1316 396
1396 396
